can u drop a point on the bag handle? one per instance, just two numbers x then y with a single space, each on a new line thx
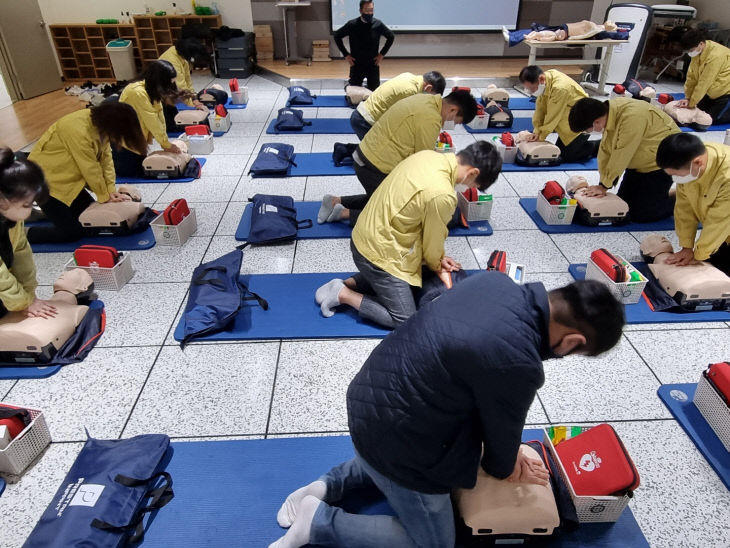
251 296
201 280
304 223
9 413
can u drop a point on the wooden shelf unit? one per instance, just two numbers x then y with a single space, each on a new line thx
81 49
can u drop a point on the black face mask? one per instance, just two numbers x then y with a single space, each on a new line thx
367 17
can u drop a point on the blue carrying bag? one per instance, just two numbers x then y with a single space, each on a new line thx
290 119
111 487
274 220
273 159
216 296
299 95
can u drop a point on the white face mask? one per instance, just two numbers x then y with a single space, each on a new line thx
540 90
684 179
693 53
449 125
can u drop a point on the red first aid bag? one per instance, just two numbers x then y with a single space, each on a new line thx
497 261
233 84
176 212
103 256
197 129
15 418
610 264
553 192
460 88
597 463
719 376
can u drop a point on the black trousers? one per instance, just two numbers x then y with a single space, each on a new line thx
718 108
65 218
127 163
170 112
361 71
647 195
370 178
721 258
579 150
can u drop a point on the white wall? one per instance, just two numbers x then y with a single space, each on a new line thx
235 13
5 99
715 10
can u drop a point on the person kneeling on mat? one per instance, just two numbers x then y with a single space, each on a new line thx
707 86
556 93
632 131
75 154
186 53
702 173
445 393
21 183
411 125
404 85
403 226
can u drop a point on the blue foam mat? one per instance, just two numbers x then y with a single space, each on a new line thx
717 127
309 164
2 486
590 165
327 101
228 105
641 313
519 124
319 126
259 474
309 210
530 206
292 313
140 241
28 372
142 180
678 399
528 103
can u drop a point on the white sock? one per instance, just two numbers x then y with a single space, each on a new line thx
328 203
322 292
298 535
330 297
288 511
336 214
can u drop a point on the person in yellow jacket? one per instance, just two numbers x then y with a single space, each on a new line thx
21 183
707 86
147 97
75 154
702 173
411 125
403 226
632 131
185 54
386 95
556 93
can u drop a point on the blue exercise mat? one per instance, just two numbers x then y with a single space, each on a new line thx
530 206
678 399
717 127
326 101
228 105
28 372
312 164
309 210
641 312
319 126
143 180
519 124
528 103
244 482
2 486
590 165
292 313
136 242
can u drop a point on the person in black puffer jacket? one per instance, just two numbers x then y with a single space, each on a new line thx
448 390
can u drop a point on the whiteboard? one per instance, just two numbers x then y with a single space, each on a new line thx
433 15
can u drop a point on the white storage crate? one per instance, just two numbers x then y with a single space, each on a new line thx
174 234
555 214
26 446
240 97
480 121
108 278
475 211
508 154
590 509
626 292
714 409
198 144
218 123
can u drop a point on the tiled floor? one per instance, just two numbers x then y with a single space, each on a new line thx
139 381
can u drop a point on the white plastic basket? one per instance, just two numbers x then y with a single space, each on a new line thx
218 124
26 446
714 409
174 234
626 292
508 154
480 121
590 509
107 278
555 214
198 145
475 211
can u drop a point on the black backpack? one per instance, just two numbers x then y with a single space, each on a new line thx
342 154
273 159
274 220
299 95
290 119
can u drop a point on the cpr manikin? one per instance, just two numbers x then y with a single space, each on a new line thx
693 117
698 286
498 95
36 340
113 218
582 30
596 210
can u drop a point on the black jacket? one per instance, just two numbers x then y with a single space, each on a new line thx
364 39
462 371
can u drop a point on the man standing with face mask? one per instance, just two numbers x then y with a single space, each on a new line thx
364 58
556 93
702 173
632 131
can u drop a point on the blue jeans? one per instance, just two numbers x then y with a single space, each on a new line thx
423 521
359 124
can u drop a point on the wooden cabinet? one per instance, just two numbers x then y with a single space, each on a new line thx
81 49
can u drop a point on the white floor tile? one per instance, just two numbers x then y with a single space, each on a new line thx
507 214
235 144
531 248
221 165
326 143
168 263
283 186
529 183
263 259
317 187
324 256
578 247
230 219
